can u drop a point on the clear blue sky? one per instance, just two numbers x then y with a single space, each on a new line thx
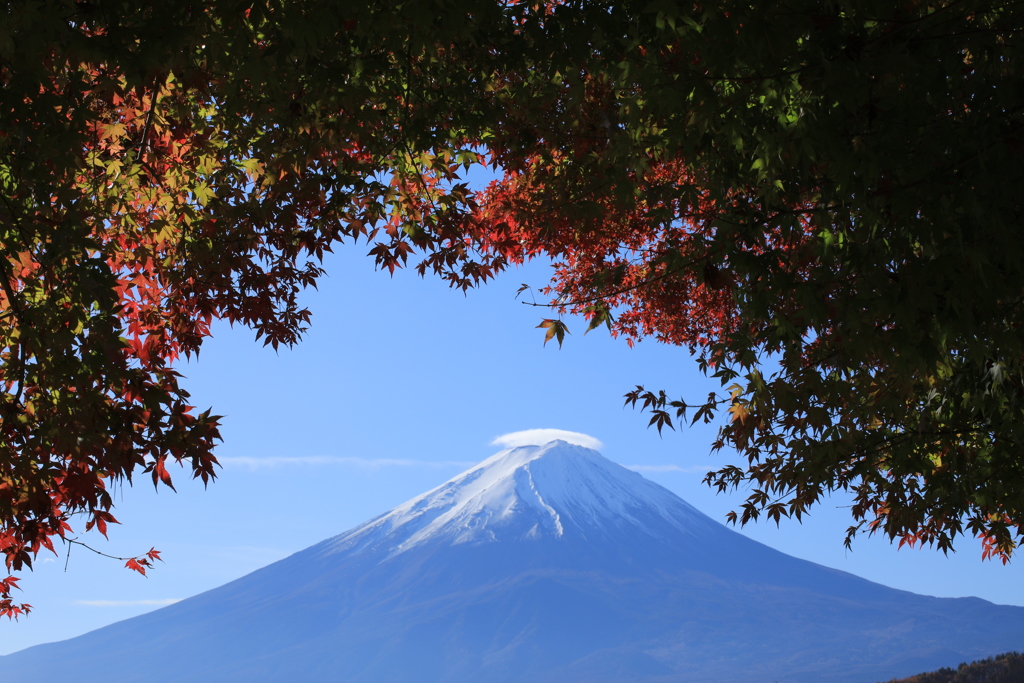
399 385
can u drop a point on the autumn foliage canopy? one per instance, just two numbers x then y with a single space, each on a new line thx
817 200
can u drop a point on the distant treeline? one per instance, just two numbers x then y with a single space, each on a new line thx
1004 668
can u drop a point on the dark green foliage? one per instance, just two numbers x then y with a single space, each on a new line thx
819 199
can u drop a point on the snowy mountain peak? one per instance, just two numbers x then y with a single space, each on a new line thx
528 492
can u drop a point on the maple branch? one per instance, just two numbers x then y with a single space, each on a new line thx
136 563
75 541
149 119
98 552
600 297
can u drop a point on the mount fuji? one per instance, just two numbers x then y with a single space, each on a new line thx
546 564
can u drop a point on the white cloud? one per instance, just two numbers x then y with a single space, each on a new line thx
667 468
128 603
369 463
539 437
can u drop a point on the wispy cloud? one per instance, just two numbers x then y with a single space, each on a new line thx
128 603
701 469
333 460
539 437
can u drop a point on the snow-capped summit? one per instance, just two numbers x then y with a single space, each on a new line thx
551 490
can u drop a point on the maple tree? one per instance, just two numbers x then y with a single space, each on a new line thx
819 202
165 165
816 199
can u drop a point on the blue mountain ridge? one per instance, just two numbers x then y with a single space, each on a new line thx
544 564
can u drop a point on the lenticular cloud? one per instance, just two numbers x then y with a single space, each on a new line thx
539 437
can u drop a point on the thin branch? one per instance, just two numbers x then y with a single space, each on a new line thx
149 119
88 547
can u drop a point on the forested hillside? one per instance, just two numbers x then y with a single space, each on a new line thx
1004 668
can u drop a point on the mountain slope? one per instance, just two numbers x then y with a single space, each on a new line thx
544 563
